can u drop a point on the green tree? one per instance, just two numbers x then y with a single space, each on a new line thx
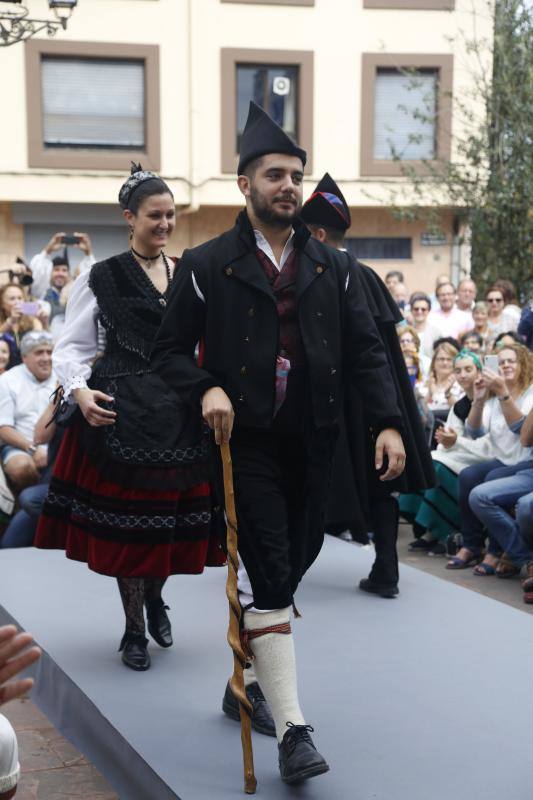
489 182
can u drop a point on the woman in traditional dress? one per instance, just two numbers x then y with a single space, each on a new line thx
129 493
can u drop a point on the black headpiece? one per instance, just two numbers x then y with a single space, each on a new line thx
261 135
138 176
327 206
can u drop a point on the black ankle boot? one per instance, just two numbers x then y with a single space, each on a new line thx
133 647
159 626
298 757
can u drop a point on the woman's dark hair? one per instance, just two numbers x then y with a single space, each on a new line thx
416 297
446 340
471 335
145 190
512 334
507 288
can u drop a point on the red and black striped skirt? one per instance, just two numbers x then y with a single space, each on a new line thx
125 531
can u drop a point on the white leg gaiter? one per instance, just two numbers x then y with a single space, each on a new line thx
275 667
9 763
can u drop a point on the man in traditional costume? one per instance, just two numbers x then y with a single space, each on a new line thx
358 498
284 322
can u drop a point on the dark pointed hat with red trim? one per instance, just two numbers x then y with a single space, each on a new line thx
261 136
327 206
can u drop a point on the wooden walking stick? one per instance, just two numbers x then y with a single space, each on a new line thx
234 631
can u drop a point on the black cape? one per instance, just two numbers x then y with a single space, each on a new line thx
355 482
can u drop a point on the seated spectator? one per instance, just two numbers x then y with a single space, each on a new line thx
495 423
420 306
466 295
410 344
496 322
21 530
503 339
14 658
442 389
511 309
447 318
5 354
24 394
525 326
14 323
480 313
435 514
42 265
473 341
492 503
392 278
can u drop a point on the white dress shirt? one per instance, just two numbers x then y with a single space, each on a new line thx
23 399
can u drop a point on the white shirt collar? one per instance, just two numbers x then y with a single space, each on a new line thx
267 250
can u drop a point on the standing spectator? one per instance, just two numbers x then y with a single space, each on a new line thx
525 326
43 265
13 323
440 280
511 309
400 294
466 295
447 318
410 344
24 394
392 278
496 322
442 389
420 306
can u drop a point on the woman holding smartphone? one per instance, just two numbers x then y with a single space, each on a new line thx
14 319
129 493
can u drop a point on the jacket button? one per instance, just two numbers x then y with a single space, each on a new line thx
325 342
243 370
333 371
246 338
320 270
229 271
319 314
251 312
241 398
331 398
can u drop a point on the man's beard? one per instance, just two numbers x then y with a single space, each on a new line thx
267 214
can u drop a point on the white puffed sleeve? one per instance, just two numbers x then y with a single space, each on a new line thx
78 342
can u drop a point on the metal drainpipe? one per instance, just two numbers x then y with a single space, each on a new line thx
194 203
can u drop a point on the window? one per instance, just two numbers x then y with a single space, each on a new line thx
274 88
92 105
404 114
274 2
405 111
279 81
380 247
82 107
430 5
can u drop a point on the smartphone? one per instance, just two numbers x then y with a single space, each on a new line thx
70 239
30 309
492 363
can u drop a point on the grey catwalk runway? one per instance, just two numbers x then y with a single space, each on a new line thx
422 697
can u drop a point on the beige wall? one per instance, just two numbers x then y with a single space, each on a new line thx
11 240
190 34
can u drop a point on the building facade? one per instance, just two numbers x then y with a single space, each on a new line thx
167 83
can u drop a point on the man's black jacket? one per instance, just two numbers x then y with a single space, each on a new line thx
238 324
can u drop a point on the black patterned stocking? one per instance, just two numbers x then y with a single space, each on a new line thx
132 594
153 588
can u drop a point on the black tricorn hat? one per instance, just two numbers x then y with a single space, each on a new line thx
327 206
261 135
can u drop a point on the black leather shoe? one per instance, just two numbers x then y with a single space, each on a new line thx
383 589
134 651
298 757
262 721
158 623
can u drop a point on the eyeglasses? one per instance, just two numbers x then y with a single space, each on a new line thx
415 309
444 360
494 299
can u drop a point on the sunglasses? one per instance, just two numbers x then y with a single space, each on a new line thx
419 308
494 299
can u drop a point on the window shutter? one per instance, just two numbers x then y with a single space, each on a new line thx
93 102
399 99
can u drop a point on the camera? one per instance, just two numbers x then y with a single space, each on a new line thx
70 239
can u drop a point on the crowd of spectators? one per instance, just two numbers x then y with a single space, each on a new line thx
471 368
